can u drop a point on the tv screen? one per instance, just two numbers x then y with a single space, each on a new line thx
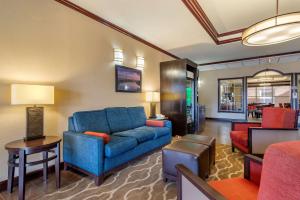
128 79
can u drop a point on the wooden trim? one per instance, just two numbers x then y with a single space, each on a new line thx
221 119
111 25
201 17
195 8
200 184
30 176
250 58
231 32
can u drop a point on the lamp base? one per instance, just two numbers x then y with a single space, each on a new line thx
35 123
152 110
33 138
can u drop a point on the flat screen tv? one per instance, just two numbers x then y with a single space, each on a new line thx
128 79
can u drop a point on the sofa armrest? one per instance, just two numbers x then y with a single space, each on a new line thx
252 168
84 151
243 126
159 123
260 138
190 186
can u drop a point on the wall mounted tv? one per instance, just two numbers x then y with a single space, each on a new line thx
128 79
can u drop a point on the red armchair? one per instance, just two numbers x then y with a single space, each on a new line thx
278 125
278 178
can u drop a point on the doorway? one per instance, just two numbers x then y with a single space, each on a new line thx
267 88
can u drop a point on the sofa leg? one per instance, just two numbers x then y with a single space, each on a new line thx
98 180
66 166
232 148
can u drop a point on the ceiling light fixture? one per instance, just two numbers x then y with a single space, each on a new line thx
278 29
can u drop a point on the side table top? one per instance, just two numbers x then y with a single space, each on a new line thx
32 144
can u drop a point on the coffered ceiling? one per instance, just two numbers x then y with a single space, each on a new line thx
201 30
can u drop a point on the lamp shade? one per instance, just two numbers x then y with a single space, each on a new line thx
152 96
31 94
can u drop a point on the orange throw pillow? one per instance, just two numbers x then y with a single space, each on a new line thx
105 136
156 123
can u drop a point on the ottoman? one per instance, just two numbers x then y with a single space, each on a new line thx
194 156
206 140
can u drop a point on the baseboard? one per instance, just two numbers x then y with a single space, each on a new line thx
223 119
29 176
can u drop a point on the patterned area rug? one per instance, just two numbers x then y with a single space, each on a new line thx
142 179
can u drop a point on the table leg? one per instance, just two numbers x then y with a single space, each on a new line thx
22 174
57 165
11 172
45 166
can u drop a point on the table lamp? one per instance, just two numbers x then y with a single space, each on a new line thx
153 98
22 94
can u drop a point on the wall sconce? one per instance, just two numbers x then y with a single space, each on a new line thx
118 56
140 63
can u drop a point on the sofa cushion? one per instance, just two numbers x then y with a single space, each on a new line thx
158 131
240 137
119 145
91 121
141 134
118 119
137 115
236 188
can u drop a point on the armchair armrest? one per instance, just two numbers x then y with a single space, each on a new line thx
191 187
260 138
243 126
84 151
252 168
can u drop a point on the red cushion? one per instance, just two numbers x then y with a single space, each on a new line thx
105 136
157 123
278 118
236 188
280 177
240 137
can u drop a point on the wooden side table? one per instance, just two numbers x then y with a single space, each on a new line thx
19 149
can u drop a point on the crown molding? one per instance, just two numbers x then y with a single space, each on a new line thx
250 58
113 26
195 8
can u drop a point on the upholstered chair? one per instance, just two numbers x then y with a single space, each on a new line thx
278 125
276 177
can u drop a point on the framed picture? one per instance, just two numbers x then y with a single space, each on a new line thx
128 79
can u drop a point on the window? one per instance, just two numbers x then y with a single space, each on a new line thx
269 95
231 95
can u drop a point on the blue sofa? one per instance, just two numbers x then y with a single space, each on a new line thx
130 138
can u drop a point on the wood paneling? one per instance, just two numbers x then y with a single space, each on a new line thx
173 92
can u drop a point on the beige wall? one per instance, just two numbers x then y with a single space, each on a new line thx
44 42
208 90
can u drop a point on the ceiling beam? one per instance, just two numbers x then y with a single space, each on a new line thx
113 26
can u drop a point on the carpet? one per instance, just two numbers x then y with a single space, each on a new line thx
142 179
